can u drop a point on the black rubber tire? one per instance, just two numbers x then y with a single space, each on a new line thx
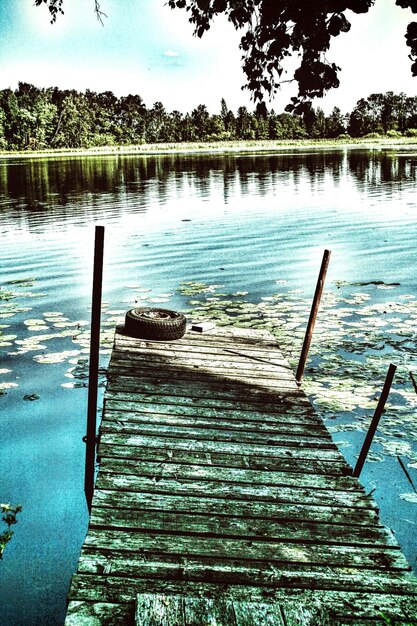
165 326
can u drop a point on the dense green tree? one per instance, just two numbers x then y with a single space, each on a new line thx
130 120
243 124
155 124
319 128
174 131
224 110
34 116
216 129
260 126
381 113
411 112
33 119
360 120
76 122
309 118
10 108
3 140
187 128
228 118
200 119
103 106
287 126
336 123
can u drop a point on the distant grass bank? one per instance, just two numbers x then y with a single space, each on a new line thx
267 145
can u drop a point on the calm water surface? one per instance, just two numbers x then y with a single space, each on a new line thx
243 222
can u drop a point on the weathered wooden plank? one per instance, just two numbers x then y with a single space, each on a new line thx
256 613
227 447
212 378
291 511
235 343
235 491
158 470
253 338
287 424
159 610
209 378
343 604
207 372
352 621
311 614
247 356
218 434
169 610
81 613
207 342
126 544
199 611
269 361
237 526
211 385
107 587
332 467
270 404
303 413
244 419
215 388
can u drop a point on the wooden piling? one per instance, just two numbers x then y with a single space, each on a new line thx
90 438
313 316
375 421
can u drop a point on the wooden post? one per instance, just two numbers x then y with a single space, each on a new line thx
375 421
91 437
313 316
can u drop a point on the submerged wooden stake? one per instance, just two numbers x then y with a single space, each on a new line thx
407 473
375 421
90 438
313 315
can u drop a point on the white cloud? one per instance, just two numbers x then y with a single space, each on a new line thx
171 53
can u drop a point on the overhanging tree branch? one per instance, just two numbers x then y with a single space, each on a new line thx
100 14
275 30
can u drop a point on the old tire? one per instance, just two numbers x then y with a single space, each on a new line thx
159 324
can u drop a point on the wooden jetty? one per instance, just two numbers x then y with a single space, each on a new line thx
221 499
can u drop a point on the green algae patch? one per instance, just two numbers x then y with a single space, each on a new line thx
22 282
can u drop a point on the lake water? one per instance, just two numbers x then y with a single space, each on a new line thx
241 236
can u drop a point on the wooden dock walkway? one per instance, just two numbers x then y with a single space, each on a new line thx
221 499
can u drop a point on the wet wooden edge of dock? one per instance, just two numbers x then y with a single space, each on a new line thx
222 499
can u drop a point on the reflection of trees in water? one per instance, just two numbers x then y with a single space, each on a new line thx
376 167
45 184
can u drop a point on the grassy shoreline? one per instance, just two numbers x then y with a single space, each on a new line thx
254 146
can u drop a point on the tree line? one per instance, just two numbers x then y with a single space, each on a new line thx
33 118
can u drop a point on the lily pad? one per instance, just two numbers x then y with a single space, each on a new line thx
409 497
8 385
22 282
31 397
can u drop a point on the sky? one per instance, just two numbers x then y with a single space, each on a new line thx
148 49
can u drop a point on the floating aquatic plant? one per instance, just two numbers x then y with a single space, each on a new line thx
31 397
10 519
22 282
192 288
409 497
